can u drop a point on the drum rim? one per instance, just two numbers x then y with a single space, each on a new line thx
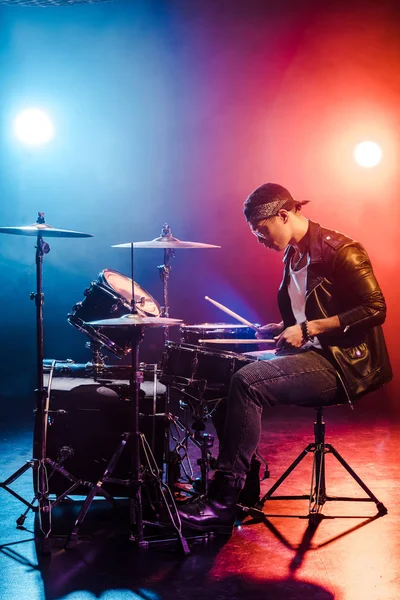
206 350
213 326
127 302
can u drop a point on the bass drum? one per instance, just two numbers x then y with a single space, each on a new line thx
152 392
110 297
86 419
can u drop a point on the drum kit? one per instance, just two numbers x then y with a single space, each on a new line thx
114 314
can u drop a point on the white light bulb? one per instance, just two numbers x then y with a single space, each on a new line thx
33 127
368 154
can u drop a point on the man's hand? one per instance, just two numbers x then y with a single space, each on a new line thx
272 330
291 337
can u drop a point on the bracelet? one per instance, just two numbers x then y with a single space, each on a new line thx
306 334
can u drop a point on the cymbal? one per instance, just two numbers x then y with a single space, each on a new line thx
44 229
131 320
166 241
234 341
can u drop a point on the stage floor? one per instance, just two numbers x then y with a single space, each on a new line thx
351 557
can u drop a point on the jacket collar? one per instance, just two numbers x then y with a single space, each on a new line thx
315 245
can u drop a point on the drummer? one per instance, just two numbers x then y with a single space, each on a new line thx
330 347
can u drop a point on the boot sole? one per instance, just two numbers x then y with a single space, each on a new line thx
218 529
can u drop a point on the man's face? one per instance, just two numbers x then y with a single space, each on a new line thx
273 233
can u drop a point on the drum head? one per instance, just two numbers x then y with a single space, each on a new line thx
122 285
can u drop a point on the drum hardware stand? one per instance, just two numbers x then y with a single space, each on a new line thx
200 438
136 441
205 439
64 453
180 453
98 358
165 272
40 461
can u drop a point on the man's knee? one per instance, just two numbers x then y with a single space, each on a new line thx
238 381
241 387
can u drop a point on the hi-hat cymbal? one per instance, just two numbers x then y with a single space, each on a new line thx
166 241
130 320
45 230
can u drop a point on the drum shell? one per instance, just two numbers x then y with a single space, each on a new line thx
89 417
184 363
103 301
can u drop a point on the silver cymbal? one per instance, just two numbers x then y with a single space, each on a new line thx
45 230
132 320
166 241
231 341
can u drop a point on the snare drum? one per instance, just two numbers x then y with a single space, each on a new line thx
183 364
110 297
191 334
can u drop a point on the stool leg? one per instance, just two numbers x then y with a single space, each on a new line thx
318 494
282 478
379 505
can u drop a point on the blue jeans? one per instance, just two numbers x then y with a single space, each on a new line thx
301 379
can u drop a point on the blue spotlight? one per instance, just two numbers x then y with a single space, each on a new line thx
33 127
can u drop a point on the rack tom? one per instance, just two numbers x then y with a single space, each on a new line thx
110 297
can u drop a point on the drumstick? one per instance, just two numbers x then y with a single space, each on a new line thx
233 341
232 314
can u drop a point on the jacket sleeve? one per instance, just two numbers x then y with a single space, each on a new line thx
353 273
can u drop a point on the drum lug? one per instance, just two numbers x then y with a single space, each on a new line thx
139 377
116 306
88 290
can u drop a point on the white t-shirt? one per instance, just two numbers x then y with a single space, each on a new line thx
297 293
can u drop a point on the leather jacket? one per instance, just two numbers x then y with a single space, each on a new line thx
340 281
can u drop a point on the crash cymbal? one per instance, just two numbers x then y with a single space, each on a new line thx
132 320
45 230
166 241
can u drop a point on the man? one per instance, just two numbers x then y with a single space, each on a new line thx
330 347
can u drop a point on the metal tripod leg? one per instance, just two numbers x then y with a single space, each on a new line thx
257 512
165 492
5 484
380 506
96 489
318 493
135 502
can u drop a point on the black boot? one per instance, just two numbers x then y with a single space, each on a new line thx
217 510
250 494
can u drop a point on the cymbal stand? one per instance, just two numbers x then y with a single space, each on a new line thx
136 441
40 461
165 272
